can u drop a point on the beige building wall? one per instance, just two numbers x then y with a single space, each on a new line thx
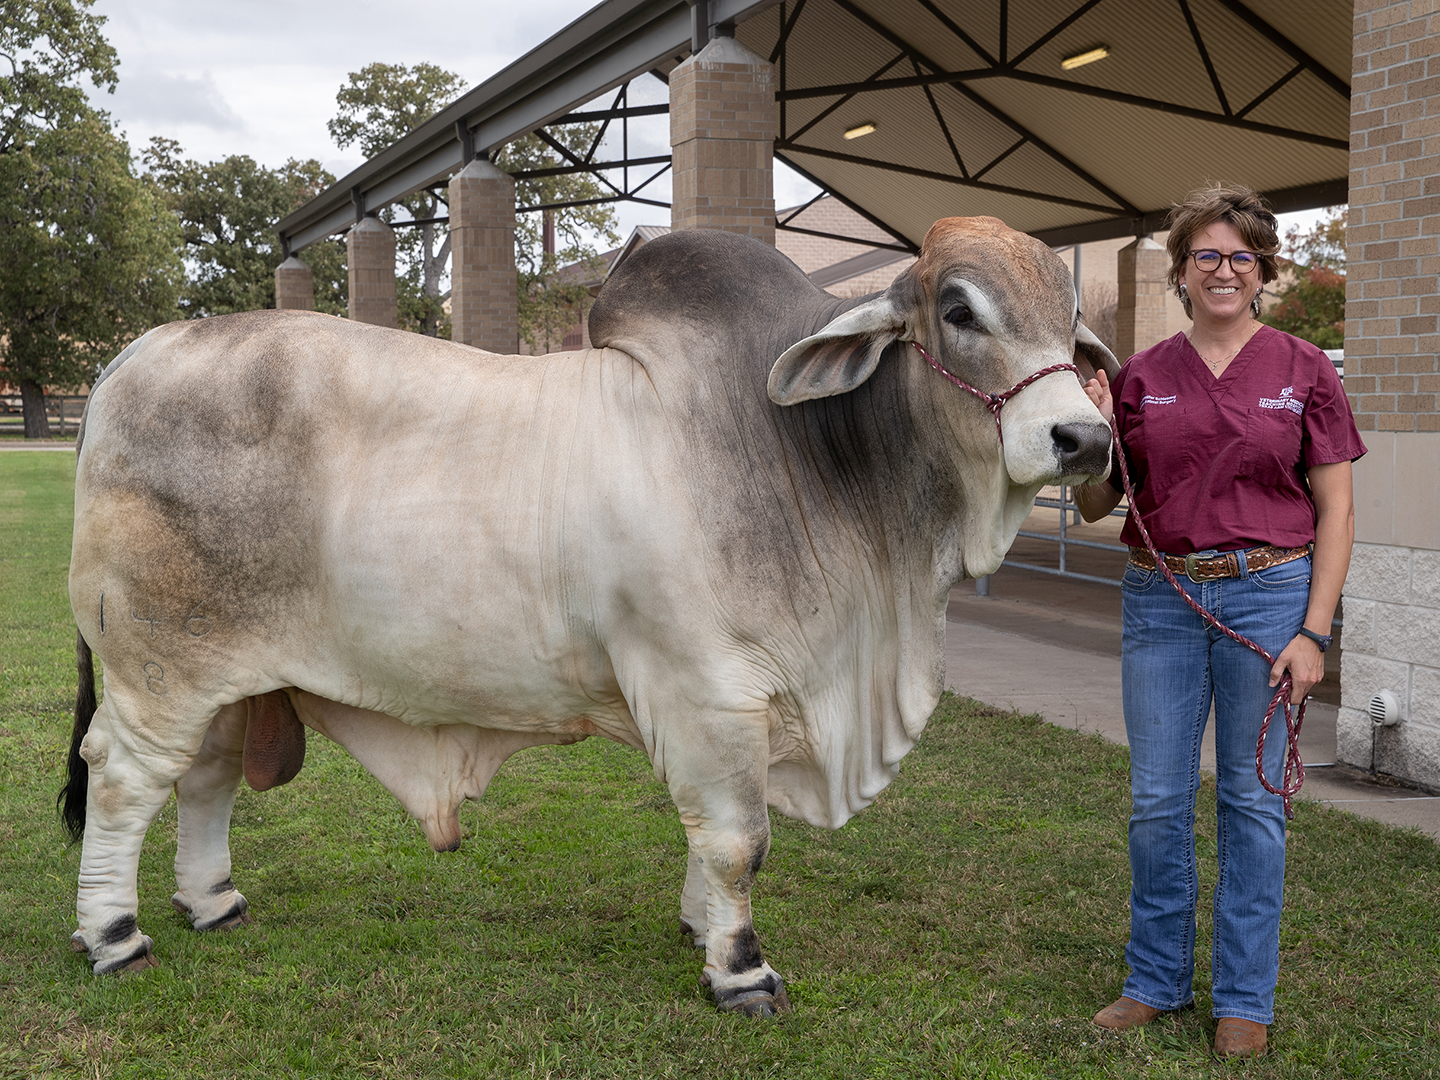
1392 377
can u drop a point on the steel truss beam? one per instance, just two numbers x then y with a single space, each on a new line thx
1000 68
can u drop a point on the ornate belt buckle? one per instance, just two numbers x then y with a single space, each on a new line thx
1192 565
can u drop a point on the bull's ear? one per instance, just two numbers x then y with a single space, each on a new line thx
838 358
1091 355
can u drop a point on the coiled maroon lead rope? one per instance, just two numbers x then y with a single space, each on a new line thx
1294 774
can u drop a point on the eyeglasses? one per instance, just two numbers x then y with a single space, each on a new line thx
1242 262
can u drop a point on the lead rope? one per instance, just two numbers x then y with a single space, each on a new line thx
1294 774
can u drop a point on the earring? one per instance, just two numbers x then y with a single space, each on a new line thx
1184 294
1255 303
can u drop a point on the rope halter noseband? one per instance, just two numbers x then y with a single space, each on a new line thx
994 402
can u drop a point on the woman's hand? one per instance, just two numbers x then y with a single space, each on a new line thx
1306 664
1098 391
1097 499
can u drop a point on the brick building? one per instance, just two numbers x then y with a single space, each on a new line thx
1392 376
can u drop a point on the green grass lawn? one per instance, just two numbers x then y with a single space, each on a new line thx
966 925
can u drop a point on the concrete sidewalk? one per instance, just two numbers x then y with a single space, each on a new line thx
1049 645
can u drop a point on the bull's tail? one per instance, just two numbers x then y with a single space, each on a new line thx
71 800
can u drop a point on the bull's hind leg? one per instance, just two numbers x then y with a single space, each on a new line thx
717 779
129 781
206 796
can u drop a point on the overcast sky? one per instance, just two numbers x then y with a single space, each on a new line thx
259 77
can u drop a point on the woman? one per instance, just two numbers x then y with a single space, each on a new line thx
1239 440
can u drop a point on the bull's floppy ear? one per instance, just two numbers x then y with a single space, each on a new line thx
1091 355
838 358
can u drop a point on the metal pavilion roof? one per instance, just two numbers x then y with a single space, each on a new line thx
973 112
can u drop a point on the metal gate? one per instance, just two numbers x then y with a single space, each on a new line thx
1069 516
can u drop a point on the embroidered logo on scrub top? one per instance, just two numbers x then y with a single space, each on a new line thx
1151 399
1286 400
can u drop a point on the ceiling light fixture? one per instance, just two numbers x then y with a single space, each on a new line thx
856 132
1070 63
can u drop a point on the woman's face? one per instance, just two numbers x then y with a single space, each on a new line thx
1221 295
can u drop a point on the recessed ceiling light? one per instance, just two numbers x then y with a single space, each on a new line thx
1081 59
856 132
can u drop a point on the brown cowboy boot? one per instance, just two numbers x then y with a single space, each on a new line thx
1124 1014
1236 1038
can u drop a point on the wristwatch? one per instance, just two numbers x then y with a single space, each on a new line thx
1323 640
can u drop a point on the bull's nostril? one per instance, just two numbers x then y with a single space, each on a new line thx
1081 447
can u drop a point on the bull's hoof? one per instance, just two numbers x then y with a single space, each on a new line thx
220 915
238 915
136 959
77 942
765 997
140 963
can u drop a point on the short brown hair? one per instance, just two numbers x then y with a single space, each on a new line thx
1236 205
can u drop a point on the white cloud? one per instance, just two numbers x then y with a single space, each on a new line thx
259 77
159 100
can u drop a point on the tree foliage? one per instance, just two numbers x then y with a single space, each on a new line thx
379 105
552 285
1311 303
227 212
49 46
88 256
382 103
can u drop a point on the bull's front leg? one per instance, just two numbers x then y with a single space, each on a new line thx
718 783
206 795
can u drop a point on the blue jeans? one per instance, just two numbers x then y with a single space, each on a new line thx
1171 665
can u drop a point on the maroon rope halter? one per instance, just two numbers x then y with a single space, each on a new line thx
993 402
1294 774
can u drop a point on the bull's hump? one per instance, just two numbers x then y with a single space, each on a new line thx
708 281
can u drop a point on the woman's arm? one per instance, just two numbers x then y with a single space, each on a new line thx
1097 499
1331 486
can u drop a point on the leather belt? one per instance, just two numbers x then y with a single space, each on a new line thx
1214 565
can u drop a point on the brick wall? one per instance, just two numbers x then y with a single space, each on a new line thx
812 253
370 256
483 309
722 131
294 285
1142 317
1392 337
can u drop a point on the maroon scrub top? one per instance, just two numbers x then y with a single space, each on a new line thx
1220 463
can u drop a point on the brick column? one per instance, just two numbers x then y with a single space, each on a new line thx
483 309
294 286
722 137
370 255
1392 377
1140 315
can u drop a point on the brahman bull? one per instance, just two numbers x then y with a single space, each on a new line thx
437 556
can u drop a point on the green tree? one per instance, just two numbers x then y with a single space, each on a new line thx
88 257
552 280
1311 304
49 46
379 105
227 212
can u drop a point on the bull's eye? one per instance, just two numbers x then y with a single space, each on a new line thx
960 315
